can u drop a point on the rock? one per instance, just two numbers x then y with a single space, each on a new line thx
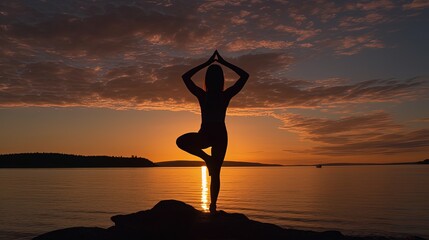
171 219
167 219
80 233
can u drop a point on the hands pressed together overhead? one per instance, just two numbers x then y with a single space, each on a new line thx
216 57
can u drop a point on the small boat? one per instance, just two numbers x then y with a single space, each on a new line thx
319 166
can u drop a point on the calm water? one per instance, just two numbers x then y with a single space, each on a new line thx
388 200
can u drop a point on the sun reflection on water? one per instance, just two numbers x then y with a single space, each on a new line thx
204 189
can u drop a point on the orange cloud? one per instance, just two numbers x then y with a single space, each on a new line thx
416 4
368 134
241 44
302 34
352 45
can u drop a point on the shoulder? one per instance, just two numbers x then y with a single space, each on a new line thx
227 95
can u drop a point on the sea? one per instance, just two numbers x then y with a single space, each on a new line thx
356 200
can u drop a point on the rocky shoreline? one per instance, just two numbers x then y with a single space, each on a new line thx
172 219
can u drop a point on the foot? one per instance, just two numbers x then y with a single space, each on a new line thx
212 208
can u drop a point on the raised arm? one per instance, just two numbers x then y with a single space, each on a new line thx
239 84
192 87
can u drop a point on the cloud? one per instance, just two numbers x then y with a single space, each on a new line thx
302 34
274 93
131 55
46 83
370 5
352 45
149 84
367 134
241 44
363 21
129 31
416 4
317 127
405 142
241 18
119 29
210 5
425 119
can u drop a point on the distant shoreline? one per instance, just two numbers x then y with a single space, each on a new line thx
426 161
59 160
189 163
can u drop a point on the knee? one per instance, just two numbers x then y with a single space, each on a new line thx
215 174
215 180
180 142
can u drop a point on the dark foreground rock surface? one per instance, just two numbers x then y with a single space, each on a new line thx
171 219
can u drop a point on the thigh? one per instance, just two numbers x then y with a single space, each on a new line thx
219 146
193 139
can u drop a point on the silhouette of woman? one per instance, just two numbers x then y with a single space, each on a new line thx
213 103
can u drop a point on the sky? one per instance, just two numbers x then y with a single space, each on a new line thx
330 81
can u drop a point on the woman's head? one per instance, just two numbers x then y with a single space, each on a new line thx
214 78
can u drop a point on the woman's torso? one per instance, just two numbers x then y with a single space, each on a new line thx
213 110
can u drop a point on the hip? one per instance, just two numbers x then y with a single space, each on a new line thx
213 129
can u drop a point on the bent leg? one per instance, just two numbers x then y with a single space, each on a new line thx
193 143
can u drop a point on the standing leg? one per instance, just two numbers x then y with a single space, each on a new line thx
218 155
214 190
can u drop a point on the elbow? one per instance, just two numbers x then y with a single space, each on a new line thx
245 75
187 76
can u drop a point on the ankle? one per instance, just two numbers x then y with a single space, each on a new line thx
212 207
